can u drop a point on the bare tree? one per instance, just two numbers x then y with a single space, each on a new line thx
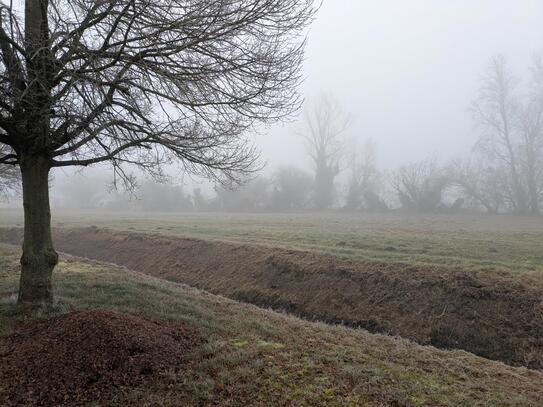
252 196
364 178
291 188
325 125
82 191
420 186
198 200
482 183
496 110
163 197
531 138
138 82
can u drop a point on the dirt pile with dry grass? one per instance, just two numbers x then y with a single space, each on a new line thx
497 315
87 356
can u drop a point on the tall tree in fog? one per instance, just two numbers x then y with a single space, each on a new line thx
363 177
531 137
252 196
420 186
291 188
513 132
496 110
325 125
138 82
481 183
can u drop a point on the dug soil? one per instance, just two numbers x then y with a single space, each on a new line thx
87 356
497 315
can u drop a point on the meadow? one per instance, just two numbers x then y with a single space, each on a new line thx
245 355
479 242
475 278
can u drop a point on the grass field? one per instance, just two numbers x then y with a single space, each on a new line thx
512 243
256 357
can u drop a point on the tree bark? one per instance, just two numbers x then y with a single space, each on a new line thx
39 257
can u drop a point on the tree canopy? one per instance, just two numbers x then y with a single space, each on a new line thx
147 82
143 82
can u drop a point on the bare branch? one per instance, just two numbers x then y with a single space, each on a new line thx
153 82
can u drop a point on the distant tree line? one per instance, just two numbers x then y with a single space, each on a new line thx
502 174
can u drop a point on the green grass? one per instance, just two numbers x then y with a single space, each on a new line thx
472 242
256 357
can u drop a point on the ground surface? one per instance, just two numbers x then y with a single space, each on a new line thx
86 356
471 242
498 315
235 354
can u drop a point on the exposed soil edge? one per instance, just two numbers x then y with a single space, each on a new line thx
496 315
88 357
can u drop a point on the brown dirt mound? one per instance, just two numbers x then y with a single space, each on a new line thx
496 315
86 356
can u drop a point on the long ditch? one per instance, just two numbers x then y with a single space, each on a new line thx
497 315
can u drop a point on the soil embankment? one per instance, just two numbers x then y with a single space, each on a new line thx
85 357
497 315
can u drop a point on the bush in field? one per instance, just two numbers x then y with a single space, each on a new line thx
482 184
420 186
198 200
364 179
252 196
163 197
291 189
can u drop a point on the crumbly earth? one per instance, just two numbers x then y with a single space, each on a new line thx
87 356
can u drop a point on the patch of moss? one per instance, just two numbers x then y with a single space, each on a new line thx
239 343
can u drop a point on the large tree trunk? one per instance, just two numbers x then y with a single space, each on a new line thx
39 258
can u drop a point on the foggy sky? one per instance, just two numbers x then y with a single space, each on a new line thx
408 70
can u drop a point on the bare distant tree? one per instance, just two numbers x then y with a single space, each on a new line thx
496 110
531 138
163 197
252 196
481 183
140 82
82 191
291 188
325 126
364 177
198 199
420 186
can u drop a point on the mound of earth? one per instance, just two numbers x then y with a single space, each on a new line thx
86 356
497 315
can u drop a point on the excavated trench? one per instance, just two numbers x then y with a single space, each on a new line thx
497 315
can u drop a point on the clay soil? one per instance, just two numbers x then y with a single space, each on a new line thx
497 315
87 356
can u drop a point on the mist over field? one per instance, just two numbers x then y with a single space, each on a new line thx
403 77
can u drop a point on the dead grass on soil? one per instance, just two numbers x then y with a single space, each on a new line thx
496 315
88 356
255 357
